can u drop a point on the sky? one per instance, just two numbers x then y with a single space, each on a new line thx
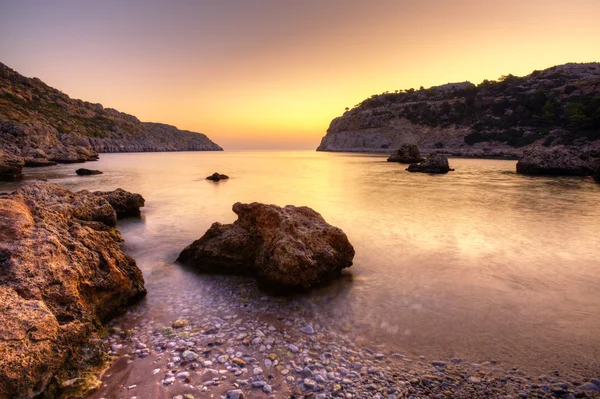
272 74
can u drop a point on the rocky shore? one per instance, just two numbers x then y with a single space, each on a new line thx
62 274
41 126
244 344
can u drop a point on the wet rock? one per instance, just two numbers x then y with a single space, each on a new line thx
235 394
180 323
286 248
558 160
434 163
217 177
123 202
408 153
590 387
62 273
87 172
10 167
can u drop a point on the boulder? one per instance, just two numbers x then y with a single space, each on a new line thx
290 248
10 167
558 160
123 202
62 273
434 163
408 153
87 172
216 177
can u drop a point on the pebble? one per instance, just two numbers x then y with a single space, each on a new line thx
235 394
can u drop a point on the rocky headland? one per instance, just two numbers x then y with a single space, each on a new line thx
288 248
41 126
62 274
555 106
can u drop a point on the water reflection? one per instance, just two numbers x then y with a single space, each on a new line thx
481 263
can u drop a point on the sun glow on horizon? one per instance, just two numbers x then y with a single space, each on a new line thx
267 74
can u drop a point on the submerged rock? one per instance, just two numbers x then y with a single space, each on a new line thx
87 172
216 177
408 153
123 202
286 248
434 163
558 160
62 273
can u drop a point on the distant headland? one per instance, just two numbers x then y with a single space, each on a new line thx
558 105
41 126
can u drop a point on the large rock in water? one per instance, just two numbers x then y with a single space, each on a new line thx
62 273
557 160
408 153
286 248
434 163
123 202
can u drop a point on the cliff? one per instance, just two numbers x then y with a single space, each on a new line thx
559 105
40 125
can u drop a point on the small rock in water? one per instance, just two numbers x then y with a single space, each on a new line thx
189 356
588 386
293 348
180 323
308 329
438 363
267 389
217 177
183 375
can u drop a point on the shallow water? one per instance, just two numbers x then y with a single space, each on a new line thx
481 264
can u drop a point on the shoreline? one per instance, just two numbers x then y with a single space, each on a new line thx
255 344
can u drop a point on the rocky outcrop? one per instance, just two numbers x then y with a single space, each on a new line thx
287 248
550 107
43 126
62 273
558 160
123 202
217 177
597 172
87 172
408 153
434 163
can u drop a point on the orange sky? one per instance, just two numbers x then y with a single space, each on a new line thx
273 73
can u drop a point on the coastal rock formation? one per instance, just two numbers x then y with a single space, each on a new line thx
87 172
286 248
558 160
408 153
550 107
217 177
597 172
43 126
123 202
434 163
62 273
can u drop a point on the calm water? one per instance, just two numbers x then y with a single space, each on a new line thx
481 264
